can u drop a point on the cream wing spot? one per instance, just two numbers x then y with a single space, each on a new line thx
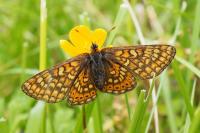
71 76
127 62
118 53
39 79
55 93
33 87
85 79
60 71
115 81
110 80
90 86
112 72
133 53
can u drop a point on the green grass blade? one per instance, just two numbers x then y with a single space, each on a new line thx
183 88
196 31
36 119
118 20
43 28
79 122
140 109
128 107
168 102
178 24
137 115
193 92
135 21
24 55
195 124
188 122
98 127
4 126
155 104
192 68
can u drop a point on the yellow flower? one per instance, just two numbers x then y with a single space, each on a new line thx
81 39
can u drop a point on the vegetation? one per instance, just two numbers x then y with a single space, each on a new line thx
29 42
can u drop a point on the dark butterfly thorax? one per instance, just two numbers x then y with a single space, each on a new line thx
97 67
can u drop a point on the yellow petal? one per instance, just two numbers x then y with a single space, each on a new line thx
69 48
81 39
80 36
99 37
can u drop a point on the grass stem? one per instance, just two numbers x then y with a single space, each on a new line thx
128 107
43 28
84 118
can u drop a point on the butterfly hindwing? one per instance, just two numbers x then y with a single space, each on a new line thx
118 79
52 85
144 60
83 90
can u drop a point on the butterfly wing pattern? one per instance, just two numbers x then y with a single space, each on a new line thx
144 61
52 85
73 80
118 79
83 90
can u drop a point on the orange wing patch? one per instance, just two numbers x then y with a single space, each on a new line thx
145 60
119 80
52 85
83 90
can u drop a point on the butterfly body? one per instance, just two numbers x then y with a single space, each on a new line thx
97 70
110 70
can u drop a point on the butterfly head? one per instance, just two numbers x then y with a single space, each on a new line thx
94 48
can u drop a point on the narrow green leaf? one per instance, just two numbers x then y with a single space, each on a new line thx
196 31
168 102
128 107
188 121
137 116
154 106
140 109
98 127
43 28
118 20
4 126
79 125
36 119
183 89
192 68
195 124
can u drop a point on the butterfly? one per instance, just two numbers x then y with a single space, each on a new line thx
111 70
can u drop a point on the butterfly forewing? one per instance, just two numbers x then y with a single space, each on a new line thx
83 90
52 85
118 79
144 61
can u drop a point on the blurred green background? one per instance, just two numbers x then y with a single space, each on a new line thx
167 21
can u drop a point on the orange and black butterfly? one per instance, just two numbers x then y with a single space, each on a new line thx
110 70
